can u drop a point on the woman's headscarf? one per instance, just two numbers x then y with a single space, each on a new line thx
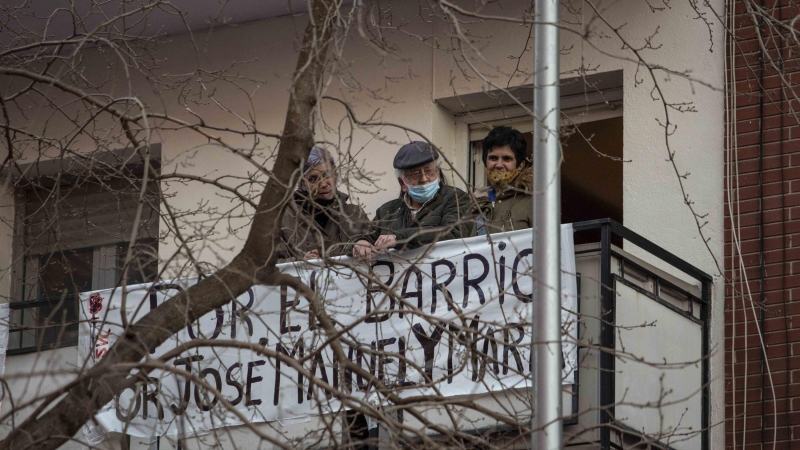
317 157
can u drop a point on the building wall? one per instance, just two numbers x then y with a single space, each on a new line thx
404 90
761 225
650 182
653 201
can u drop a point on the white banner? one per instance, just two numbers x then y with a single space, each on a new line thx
467 332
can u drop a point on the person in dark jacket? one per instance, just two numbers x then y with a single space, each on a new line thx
319 221
427 210
507 203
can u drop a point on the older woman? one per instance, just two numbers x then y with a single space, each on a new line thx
319 221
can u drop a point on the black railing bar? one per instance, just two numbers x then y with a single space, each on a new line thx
576 377
35 348
644 244
658 251
607 340
46 302
706 372
658 299
20 329
668 284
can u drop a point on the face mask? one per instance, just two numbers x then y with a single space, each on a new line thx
501 178
424 192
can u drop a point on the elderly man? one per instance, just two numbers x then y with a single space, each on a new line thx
507 204
427 210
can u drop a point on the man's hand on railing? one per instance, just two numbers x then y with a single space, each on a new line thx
363 250
385 242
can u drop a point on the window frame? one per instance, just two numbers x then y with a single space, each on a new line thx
479 130
104 258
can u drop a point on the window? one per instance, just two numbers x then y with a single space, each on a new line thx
72 230
591 107
591 174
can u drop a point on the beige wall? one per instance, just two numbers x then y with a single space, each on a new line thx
377 88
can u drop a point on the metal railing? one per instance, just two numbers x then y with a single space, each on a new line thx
52 326
608 229
43 324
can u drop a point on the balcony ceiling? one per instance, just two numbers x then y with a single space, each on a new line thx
198 14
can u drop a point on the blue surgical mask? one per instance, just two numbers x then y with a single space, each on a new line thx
423 192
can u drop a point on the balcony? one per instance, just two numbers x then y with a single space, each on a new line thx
643 354
643 335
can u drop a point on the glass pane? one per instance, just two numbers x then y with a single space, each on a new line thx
66 273
143 266
61 277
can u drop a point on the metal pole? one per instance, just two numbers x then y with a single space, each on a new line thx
546 302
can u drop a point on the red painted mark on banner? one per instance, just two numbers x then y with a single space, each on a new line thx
95 303
102 342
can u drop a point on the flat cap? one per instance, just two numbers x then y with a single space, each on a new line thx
414 154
